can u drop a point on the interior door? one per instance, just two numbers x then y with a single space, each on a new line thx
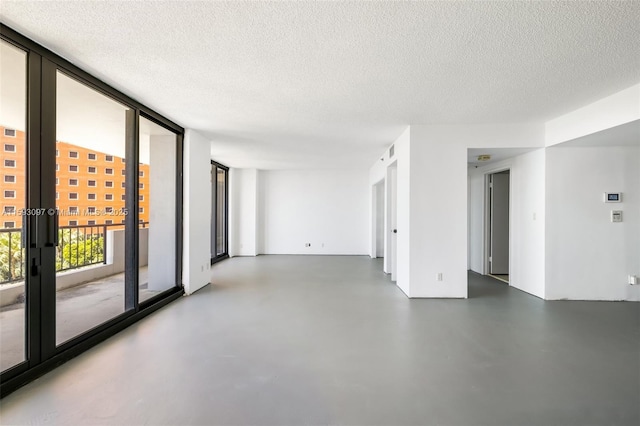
499 199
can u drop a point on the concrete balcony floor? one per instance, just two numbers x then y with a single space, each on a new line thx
78 309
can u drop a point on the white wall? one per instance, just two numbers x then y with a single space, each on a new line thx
327 208
588 257
243 213
439 211
619 108
196 212
162 208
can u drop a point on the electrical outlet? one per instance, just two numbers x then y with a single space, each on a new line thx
439 276
307 244
632 280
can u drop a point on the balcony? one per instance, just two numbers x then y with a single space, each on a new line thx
90 274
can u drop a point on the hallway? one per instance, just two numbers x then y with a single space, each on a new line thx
292 340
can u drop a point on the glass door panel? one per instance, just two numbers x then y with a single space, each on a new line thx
219 219
157 244
13 192
90 198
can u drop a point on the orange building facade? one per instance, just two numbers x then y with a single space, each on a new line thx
90 185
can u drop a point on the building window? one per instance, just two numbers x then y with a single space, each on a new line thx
57 167
73 195
91 196
108 209
91 183
9 194
141 198
9 210
73 223
73 182
91 222
123 197
9 147
73 168
123 160
73 154
73 210
123 172
141 173
91 169
91 210
108 158
57 195
108 197
9 179
10 133
141 209
124 184
91 156
9 163
57 181
108 184
141 185
57 153
108 222
9 224
108 171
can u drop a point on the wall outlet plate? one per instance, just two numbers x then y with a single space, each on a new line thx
616 216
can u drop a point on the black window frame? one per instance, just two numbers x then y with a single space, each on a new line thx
40 134
215 257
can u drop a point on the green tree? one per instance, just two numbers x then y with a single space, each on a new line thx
11 256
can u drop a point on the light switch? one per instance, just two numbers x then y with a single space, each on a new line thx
616 215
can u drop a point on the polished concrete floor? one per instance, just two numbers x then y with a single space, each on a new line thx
296 340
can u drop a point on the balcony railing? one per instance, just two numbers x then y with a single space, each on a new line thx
78 246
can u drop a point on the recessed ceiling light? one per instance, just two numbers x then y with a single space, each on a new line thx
484 157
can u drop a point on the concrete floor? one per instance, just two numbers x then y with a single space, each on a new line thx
78 309
294 340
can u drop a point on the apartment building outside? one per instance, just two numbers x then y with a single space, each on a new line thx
90 185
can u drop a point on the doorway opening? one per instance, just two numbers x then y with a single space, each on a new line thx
497 225
377 249
391 219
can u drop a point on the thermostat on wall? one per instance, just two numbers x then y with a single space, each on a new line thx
613 197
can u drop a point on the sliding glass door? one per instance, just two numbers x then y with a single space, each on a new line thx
91 210
219 212
13 201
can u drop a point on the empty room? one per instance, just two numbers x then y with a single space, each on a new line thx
320 213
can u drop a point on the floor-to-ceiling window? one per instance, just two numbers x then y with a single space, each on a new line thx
13 193
219 211
91 210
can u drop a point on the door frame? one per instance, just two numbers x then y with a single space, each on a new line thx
486 264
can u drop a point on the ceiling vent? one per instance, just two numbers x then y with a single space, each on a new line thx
484 157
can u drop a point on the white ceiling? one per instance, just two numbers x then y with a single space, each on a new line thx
331 84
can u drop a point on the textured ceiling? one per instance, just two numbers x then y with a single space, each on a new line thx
331 84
